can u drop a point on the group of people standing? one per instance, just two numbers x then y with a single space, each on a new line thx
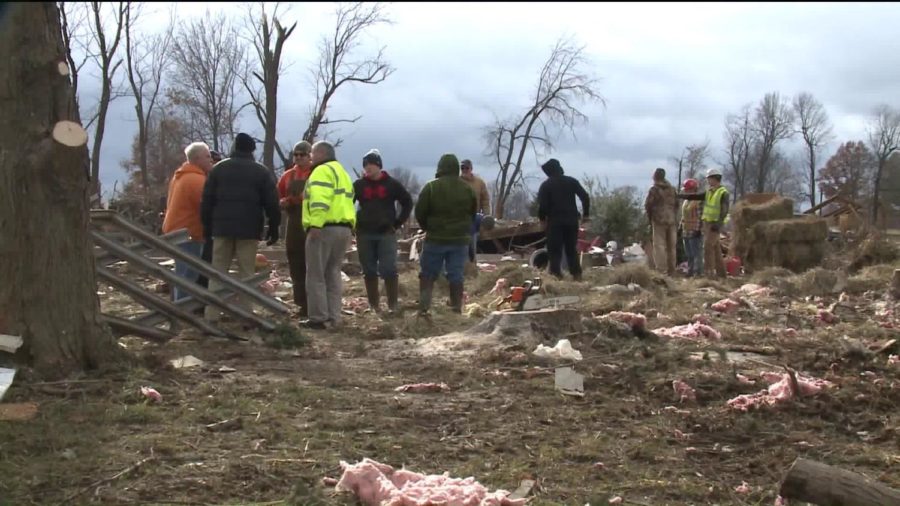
703 216
225 205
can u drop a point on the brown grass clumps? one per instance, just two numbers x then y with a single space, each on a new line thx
873 250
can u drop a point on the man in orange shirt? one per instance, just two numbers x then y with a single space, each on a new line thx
290 193
183 207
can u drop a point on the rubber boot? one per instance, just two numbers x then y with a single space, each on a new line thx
456 296
426 286
392 289
372 292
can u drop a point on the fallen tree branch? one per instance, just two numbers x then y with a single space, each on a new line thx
114 477
821 484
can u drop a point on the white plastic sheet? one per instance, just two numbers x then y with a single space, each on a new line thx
562 350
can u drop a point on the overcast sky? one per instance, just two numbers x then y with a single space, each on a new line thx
669 74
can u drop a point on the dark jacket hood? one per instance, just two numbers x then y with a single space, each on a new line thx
448 166
552 168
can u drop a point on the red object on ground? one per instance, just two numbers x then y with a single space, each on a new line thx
734 267
261 261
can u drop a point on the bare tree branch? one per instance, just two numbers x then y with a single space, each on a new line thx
334 67
772 122
210 61
561 85
884 138
813 126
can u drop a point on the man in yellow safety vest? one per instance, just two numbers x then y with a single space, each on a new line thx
713 218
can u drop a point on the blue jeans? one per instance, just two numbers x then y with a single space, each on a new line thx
436 257
182 269
378 254
693 249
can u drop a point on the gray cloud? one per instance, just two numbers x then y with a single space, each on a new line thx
670 74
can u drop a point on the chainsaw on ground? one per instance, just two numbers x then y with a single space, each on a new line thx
529 297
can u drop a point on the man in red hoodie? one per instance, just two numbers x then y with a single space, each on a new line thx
183 207
290 193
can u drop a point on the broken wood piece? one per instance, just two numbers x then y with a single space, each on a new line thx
524 489
895 284
231 424
821 484
127 470
123 326
10 344
18 412
68 133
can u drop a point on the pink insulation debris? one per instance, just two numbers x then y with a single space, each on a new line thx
684 391
781 501
789 332
272 284
616 500
501 287
355 304
780 390
700 318
744 380
826 317
378 484
690 331
743 488
752 290
725 306
893 359
151 393
423 388
635 320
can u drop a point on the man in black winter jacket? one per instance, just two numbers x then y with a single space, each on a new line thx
237 193
557 210
376 225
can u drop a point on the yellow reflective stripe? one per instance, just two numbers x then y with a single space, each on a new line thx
321 183
319 205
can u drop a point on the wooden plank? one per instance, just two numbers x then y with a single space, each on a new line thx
176 238
202 267
124 326
151 301
188 286
191 304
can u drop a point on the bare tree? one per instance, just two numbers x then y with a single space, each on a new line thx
52 304
104 51
739 142
813 126
210 59
408 179
562 84
74 18
773 121
147 60
691 161
335 66
884 139
268 36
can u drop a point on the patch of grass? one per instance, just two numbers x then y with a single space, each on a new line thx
286 336
639 274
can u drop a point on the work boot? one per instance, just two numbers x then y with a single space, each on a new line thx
372 292
392 289
456 297
426 286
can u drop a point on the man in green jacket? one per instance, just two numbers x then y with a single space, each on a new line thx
445 210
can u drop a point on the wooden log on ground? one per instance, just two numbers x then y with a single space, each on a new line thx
824 485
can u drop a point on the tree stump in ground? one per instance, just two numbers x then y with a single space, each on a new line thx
824 485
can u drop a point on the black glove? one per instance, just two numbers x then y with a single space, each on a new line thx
272 236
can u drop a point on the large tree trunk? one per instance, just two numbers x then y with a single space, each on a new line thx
48 293
876 192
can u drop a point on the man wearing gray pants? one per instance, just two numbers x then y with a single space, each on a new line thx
328 218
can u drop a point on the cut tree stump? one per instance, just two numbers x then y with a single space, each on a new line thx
824 485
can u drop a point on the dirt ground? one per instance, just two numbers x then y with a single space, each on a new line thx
305 402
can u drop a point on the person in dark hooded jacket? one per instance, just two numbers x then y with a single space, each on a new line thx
558 211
